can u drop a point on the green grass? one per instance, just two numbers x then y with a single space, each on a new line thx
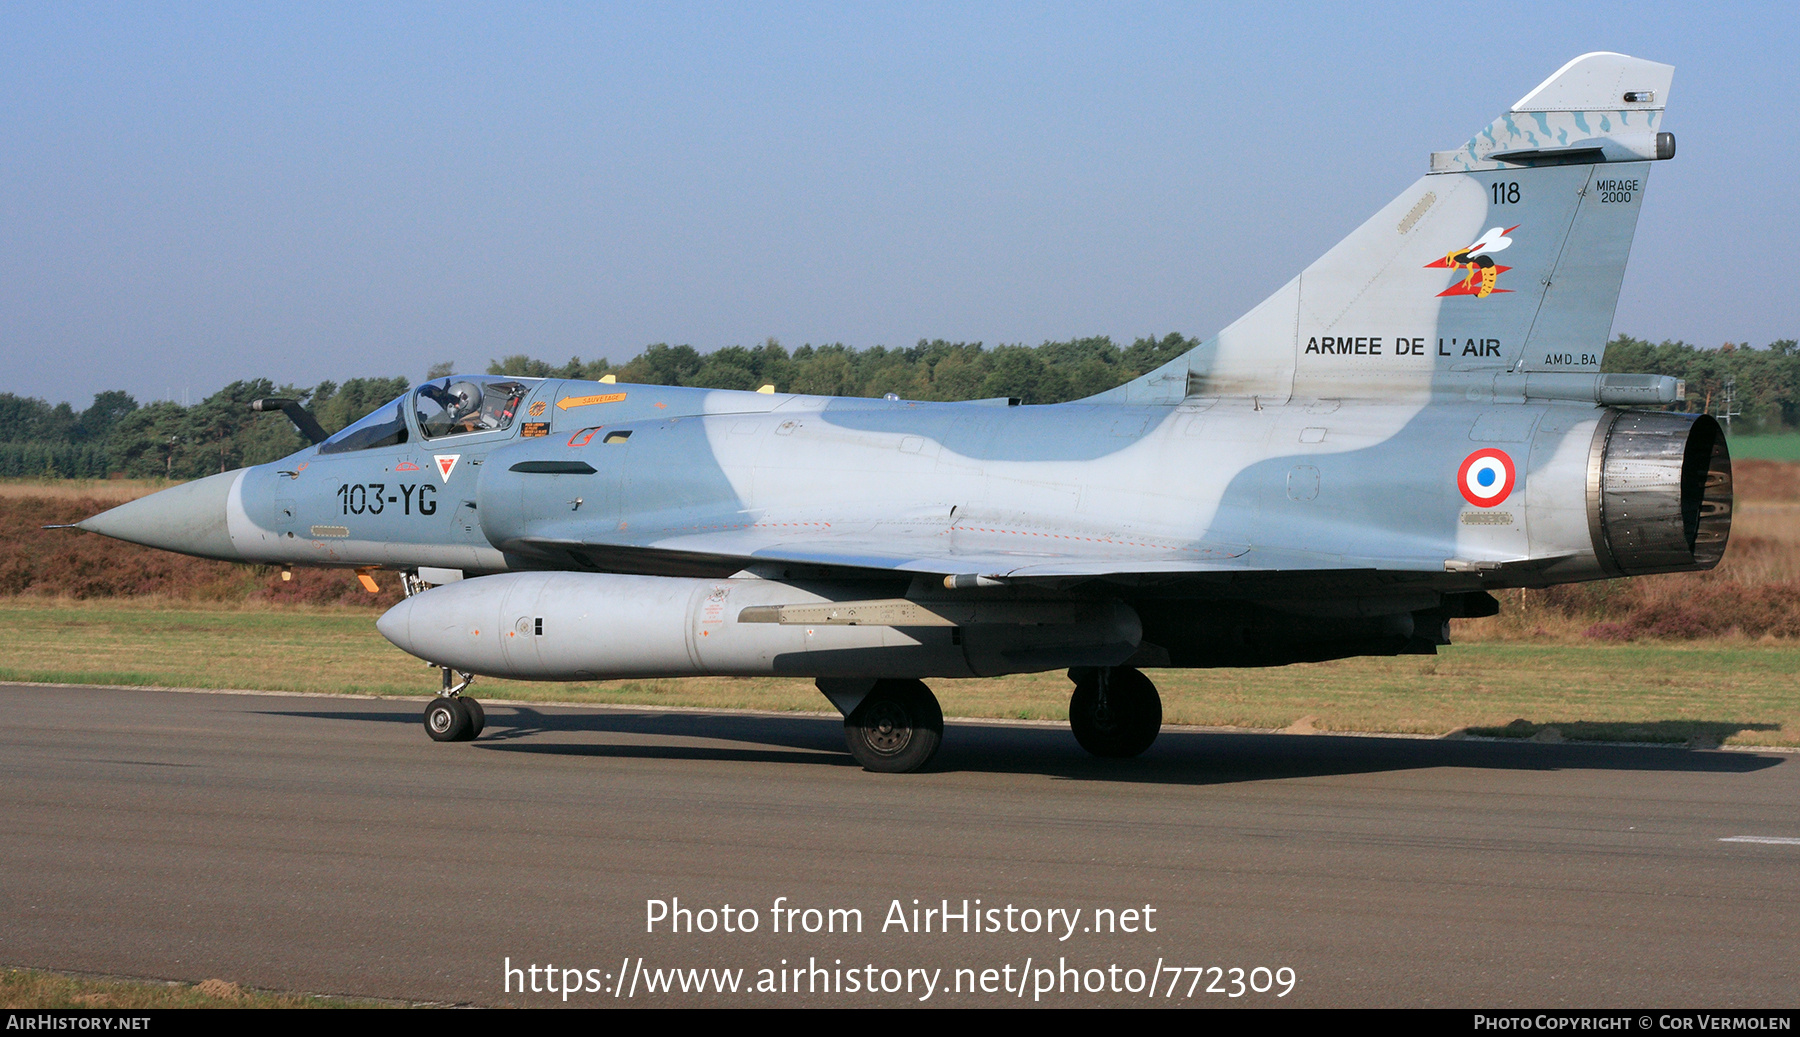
1780 446
36 989
1734 691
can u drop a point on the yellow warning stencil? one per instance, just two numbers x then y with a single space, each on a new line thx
583 401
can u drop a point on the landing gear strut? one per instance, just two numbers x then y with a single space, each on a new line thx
453 716
896 728
1115 711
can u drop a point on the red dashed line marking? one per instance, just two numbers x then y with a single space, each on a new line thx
970 529
1068 536
751 525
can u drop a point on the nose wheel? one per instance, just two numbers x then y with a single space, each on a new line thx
896 728
1115 711
453 716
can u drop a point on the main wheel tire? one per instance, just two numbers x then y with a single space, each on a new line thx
447 719
895 729
477 717
1124 724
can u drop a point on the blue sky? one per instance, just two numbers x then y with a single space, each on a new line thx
191 194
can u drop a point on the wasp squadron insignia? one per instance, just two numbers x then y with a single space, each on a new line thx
1478 259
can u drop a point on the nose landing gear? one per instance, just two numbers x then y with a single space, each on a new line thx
453 716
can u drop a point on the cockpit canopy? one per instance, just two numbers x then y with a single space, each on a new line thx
453 406
457 405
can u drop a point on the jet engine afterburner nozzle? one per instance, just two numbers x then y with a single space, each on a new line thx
1659 492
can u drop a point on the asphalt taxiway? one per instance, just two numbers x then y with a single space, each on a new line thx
325 844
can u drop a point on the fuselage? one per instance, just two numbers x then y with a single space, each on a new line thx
1205 485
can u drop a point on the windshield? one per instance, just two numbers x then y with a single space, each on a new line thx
385 427
457 405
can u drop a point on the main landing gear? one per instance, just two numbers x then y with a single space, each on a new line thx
453 716
896 728
897 725
1115 711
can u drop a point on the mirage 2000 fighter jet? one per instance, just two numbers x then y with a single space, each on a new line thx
1414 421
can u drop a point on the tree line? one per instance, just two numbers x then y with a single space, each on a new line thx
118 436
163 439
1764 384
932 370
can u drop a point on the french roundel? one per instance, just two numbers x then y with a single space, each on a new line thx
1486 478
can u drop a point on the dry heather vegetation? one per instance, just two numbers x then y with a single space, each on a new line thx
62 563
1753 595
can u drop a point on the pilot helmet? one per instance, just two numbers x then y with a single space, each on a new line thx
465 399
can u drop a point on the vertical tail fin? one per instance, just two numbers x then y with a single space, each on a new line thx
1506 258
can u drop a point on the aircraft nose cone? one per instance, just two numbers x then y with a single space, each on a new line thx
190 518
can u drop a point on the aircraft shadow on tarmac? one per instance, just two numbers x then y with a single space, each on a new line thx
1178 757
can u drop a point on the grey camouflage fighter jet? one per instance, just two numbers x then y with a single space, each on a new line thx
1414 421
